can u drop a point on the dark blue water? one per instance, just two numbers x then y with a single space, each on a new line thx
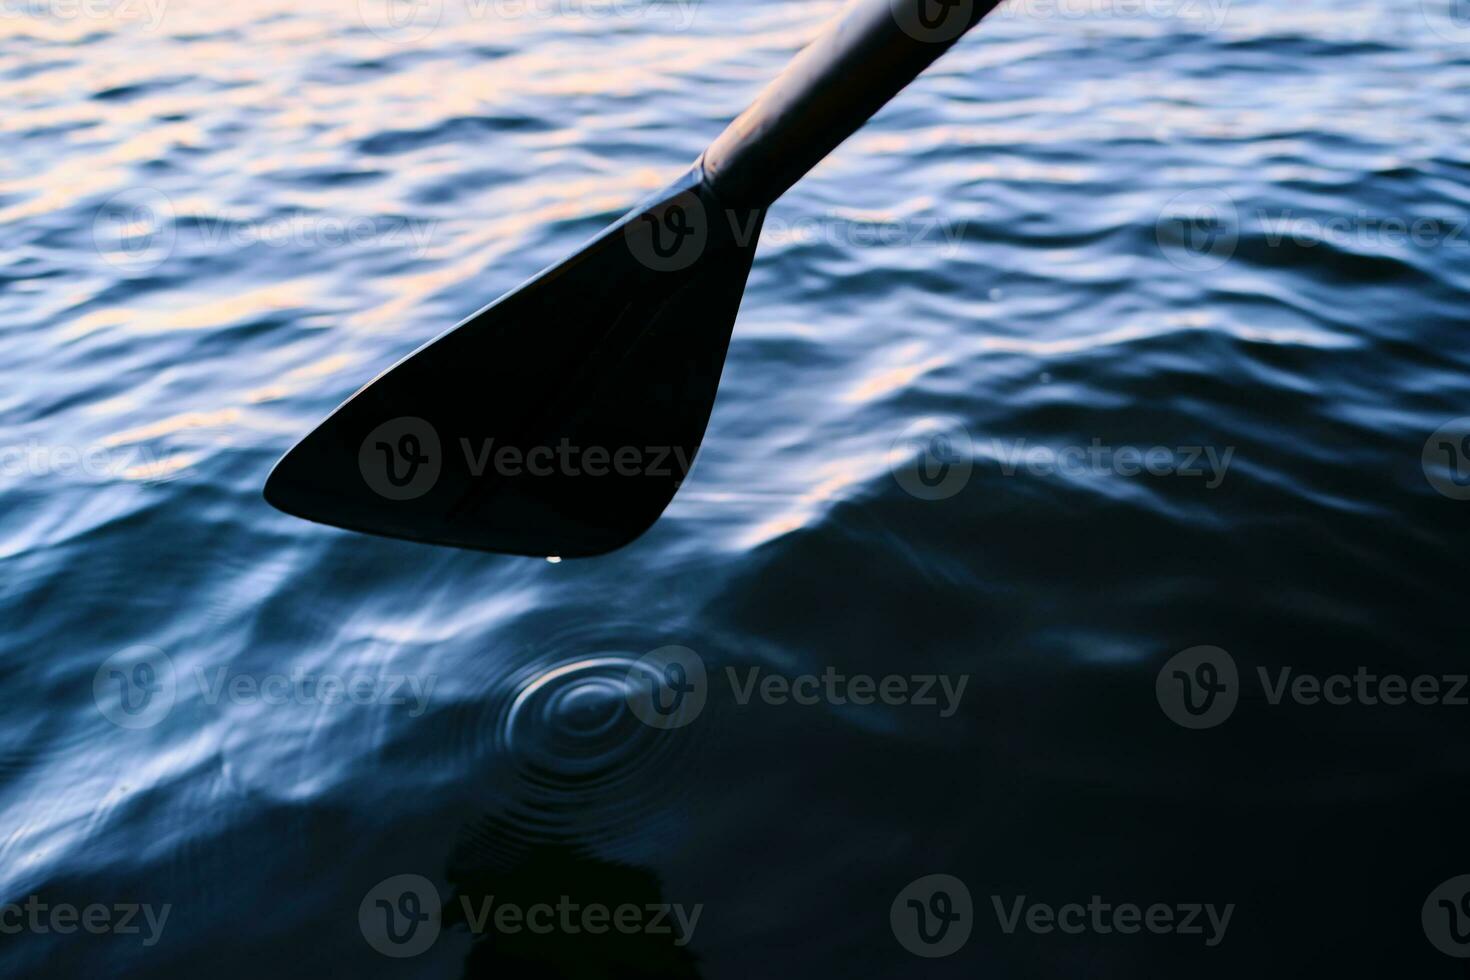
1124 331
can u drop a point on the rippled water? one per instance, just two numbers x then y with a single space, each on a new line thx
1085 232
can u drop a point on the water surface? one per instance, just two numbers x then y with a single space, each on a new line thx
1102 228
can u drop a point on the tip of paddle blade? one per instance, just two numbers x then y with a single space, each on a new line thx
402 484
560 420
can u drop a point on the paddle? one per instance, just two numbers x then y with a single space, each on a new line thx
561 419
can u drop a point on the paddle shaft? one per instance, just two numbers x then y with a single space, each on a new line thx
829 90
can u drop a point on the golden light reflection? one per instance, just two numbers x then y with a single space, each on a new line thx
157 469
298 379
888 380
175 424
217 311
497 236
834 481
1189 321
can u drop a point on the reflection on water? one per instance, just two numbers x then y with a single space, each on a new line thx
1091 231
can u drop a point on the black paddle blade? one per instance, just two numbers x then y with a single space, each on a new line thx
559 420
